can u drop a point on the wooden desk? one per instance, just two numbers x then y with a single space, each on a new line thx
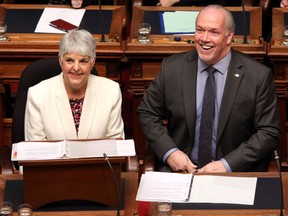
278 55
145 59
131 204
131 186
258 212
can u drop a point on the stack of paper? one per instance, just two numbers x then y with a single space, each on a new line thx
72 149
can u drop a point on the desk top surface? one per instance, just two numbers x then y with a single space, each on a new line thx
131 204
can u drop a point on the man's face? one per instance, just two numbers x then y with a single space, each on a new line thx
212 39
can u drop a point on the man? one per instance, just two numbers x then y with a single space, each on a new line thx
246 124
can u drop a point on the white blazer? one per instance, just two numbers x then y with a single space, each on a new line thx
48 114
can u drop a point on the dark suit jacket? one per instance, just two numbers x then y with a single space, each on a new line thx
249 122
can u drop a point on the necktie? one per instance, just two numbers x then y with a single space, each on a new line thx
207 117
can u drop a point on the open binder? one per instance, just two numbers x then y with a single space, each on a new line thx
48 150
190 188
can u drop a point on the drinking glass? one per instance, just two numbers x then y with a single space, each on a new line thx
164 208
144 33
285 35
6 209
25 210
3 31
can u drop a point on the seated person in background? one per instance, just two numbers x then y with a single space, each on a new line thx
284 3
168 3
74 104
242 124
73 3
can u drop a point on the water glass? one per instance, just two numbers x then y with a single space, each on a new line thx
3 31
144 33
6 209
285 35
25 210
164 208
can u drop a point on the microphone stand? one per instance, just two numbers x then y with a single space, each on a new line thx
115 183
281 186
244 24
102 22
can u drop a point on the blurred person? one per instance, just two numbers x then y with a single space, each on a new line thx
73 3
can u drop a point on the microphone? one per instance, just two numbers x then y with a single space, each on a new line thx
115 182
280 181
244 23
102 22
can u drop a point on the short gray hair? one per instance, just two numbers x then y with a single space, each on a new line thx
78 41
230 23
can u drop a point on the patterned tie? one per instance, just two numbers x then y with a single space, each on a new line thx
207 117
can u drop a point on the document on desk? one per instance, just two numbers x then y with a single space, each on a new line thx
155 186
73 16
178 22
72 149
181 188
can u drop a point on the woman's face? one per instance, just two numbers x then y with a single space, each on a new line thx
76 70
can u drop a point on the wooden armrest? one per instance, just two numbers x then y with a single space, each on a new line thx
132 164
149 160
5 160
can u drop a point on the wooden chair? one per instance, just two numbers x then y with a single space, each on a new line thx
6 165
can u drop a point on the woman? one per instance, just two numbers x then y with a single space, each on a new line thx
73 3
74 104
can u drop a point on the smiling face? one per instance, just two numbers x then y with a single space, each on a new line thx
76 70
212 37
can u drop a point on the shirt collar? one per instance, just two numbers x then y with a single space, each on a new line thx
221 66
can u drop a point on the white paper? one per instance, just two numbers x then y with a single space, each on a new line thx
96 148
73 16
155 186
180 21
36 150
223 189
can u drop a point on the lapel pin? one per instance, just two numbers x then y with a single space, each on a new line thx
236 75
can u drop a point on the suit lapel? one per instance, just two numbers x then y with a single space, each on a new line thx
233 80
189 71
64 110
88 110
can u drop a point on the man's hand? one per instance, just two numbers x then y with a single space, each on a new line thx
215 166
179 161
